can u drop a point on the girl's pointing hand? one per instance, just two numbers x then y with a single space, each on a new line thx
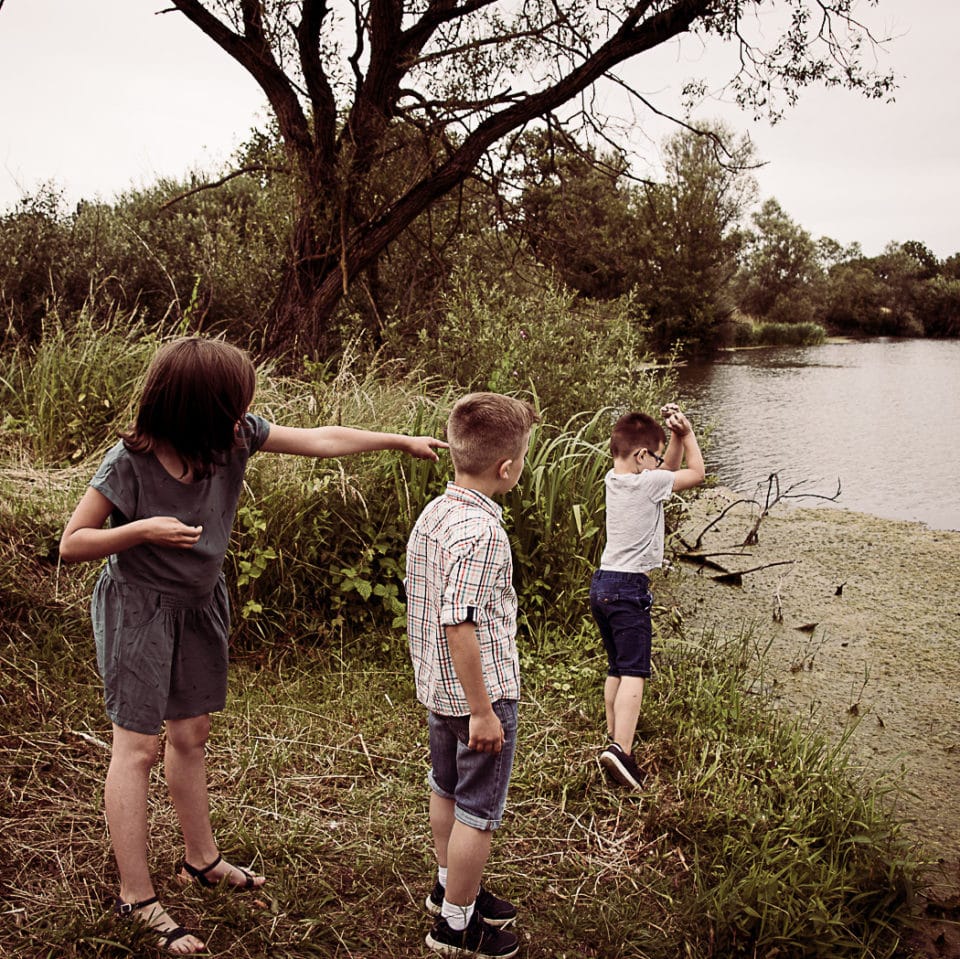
423 447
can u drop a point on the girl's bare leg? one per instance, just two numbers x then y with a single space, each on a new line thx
125 798
186 771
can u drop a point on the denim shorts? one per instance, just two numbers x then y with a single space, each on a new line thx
620 603
160 656
476 782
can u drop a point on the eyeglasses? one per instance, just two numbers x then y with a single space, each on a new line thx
660 460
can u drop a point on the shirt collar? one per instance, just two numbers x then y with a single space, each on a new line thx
473 498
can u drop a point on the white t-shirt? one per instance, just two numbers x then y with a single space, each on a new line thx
635 520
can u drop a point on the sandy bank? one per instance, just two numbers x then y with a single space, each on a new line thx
870 636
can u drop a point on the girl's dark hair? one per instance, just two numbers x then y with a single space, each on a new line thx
636 431
196 390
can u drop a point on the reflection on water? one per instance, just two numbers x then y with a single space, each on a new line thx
883 416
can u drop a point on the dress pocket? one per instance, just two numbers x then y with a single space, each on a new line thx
139 607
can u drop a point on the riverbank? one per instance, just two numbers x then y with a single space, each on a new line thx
866 645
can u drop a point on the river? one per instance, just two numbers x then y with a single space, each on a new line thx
880 416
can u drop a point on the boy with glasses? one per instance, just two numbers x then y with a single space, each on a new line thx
642 479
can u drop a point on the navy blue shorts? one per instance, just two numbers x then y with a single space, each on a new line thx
620 603
476 782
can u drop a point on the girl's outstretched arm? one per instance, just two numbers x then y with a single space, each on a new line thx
85 537
325 441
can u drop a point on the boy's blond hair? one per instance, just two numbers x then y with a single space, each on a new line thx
484 428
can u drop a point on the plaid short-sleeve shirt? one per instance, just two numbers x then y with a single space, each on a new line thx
459 570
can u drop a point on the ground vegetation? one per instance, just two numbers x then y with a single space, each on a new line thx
754 836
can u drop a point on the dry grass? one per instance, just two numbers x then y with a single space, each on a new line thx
317 777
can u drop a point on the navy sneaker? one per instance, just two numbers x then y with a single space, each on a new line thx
620 767
478 939
495 911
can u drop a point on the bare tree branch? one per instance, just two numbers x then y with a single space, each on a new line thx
258 168
735 577
253 53
321 95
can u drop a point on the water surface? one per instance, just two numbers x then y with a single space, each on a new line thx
881 416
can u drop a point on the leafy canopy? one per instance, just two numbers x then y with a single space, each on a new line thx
354 84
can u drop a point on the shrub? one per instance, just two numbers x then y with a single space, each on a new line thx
514 337
778 334
213 257
938 304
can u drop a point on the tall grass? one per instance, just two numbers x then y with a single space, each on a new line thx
787 837
63 399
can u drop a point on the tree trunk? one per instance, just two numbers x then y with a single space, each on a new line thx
299 321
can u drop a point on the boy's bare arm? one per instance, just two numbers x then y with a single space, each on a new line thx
678 425
326 441
683 446
486 731
694 473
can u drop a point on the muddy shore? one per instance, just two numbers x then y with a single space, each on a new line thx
862 630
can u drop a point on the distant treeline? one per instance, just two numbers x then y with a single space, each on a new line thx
688 260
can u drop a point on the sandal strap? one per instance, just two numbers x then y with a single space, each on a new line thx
129 908
167 939
201 874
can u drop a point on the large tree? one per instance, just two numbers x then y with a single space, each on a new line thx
426 89
692 236
575 211
781 275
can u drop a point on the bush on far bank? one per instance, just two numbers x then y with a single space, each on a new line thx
746 332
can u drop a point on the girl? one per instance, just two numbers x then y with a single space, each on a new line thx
160 615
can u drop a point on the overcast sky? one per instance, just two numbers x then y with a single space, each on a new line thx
102 95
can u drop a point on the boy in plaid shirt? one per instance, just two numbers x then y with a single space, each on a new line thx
461 624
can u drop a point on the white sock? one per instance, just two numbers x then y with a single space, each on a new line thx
458 917
442 876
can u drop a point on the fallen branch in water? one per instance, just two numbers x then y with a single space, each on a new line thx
773 486
706 559
735 577
773 496
693 552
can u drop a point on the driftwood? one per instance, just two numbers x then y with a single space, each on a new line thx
774 495
706 559
735 577
693 552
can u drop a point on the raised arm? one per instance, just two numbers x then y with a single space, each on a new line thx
327 441
673 456
86 537
683 447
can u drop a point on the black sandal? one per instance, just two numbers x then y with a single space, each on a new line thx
200 875
126 910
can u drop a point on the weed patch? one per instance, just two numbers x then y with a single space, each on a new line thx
750 838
